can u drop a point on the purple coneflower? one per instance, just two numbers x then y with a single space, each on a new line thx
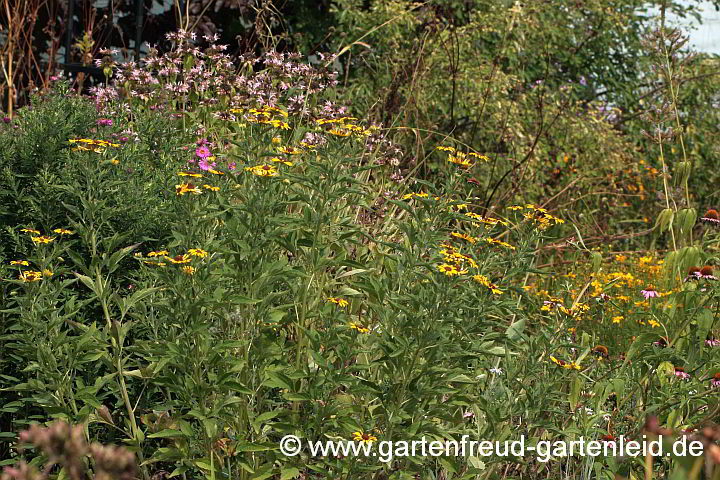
707 273
711 342
650 292
715 382
105 122
711 216
681 373
693 274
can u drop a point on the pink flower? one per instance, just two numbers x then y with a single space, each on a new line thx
105 122
202 151
204 165
711 342
681 373
232 166
649 293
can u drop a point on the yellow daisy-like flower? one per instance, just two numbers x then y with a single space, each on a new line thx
358 327
338 301
515 207
190 174
290 150
464 236
47 273
492 241
184 188
459 159
446 149
450 270
179 259
262 170
413 195
340 132
42 239
159 253
62 231
653 323
24 263
483 280
30 276
282 160
188 270
216 172
564 364
364 437
30 230
478 156
115 161
211 188
198 252
618 319
277 140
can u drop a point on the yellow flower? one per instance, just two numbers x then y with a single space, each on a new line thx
450 270
115 161
30 276
358 327
364 437
464 237
62 231
42 239
277 140
483 280
618 319
282 160
340 132
30 230
412 195
190 174
47 273
24 263
184 188
290 150
492 241
198 252
188 270
179 259
212 188
620 258
158 253
339 301
264 170
446 149
653 323
216 172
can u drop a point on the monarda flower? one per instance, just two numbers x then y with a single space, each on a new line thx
711 216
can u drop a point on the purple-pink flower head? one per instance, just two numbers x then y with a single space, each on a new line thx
204 165
105 122
201 142
650 292
681 373
203 151
232 166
